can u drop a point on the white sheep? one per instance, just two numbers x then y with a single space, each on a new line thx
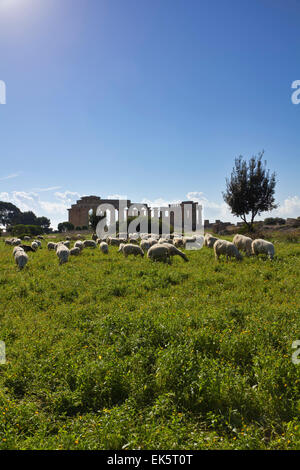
114 241
79 244
223 247
16 249
104 247
165 240
209 240
21 258
16 242
75 251
178 242
89 244
260 246
159 252
34 246
51 246
243 243
173 251
132 249
39 244
145 245
63 253
67 243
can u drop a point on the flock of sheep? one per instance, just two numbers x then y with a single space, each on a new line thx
157 249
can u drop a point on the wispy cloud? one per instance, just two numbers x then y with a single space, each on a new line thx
9 177
54 207
41 190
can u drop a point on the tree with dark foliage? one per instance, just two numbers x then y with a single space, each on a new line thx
8 213
250 189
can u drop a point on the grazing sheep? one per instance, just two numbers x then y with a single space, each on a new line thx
16 249
260 246
114 241
39 244
75 251
63 253
121 247
223 247
26 238
173 251
26 248
51 246
67 243
145 245
131 249
40 237
159 252
104 247
89 244
21 258
209 240
165 240
79 244
16 242
243 243
34 246
133 240
178 242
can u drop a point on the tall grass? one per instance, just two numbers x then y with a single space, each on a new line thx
110 353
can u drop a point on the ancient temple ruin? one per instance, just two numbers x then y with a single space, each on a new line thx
79 213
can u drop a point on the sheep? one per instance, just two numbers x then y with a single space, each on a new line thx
39 244
209 240
67 243
133 240
89 244
145 245
178 242
121 247
63 253
165 240
21 258
114 241
131 249
75 251
159 252
16 242
26 248
40 237
243 243
104 247
173 251
51 246
223 247
79 244
16 249
26 238
34 246
260 246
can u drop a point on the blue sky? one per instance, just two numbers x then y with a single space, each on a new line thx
149 99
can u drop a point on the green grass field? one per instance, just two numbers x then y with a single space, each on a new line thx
111 353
